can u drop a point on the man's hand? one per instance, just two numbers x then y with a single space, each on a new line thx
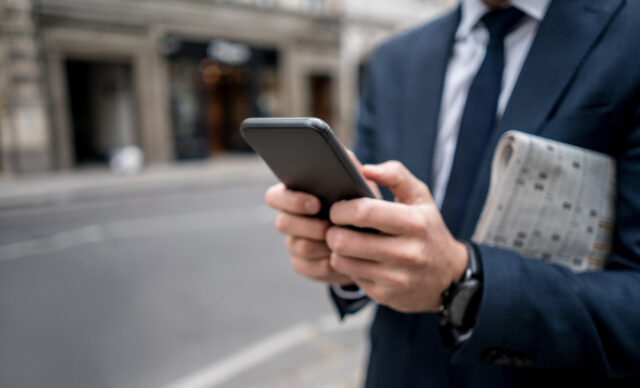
414 258
305 234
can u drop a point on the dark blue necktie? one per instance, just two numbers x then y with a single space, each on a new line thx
478 117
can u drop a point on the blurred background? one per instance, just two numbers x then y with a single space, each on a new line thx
135 249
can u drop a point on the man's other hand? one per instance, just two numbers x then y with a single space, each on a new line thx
305 234
414 258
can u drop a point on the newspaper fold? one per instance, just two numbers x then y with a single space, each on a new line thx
551 201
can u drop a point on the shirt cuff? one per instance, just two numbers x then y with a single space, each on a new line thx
348 294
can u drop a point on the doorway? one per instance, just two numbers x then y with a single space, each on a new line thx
103 112
321 96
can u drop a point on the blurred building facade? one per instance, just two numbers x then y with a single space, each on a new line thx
81 78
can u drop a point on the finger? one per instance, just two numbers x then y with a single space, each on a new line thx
353 267
307 249
402 183
281 198
369 246
353 158
363 283
319 270
369 287
374 290
372 185
387 217
302 226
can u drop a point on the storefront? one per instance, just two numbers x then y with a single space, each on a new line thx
175 78
177 84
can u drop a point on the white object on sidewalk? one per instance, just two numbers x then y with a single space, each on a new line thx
127 160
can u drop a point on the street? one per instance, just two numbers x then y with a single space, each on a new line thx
169 287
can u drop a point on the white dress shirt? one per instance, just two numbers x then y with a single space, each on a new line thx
469 49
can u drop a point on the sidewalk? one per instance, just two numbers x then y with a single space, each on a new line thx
324 353
101 183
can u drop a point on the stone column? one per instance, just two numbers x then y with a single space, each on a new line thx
24 131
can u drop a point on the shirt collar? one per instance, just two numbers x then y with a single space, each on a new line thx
473 10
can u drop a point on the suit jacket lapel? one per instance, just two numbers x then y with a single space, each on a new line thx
565 36
423 83
567 33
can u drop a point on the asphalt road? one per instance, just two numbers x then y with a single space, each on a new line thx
175 288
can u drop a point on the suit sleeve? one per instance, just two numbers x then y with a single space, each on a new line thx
541 315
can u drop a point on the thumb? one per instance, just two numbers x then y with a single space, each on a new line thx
403 184
372 186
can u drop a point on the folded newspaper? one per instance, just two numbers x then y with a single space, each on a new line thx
551 201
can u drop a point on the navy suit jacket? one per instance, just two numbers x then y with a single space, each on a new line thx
537 322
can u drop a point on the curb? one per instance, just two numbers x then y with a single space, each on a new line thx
100 184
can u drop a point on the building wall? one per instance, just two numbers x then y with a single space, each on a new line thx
24 131
323 37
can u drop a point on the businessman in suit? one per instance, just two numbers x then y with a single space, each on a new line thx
437 99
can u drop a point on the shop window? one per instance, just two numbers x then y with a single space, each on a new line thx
214 86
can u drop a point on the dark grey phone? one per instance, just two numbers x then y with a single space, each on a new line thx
306 156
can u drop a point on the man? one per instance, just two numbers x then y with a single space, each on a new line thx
437 100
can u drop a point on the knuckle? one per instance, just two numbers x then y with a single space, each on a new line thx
379 295
305 247
325 269
416 223
289 242
311 270
363 210
272 194
394 164
321 271
321 229
282 222
268 196
410 254
335 239
335 261
396 167
299 203
430 216
402 280
433 225
329 237
424 187
299 265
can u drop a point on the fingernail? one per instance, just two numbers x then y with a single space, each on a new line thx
310 205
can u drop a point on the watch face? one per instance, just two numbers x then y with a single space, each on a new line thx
460 299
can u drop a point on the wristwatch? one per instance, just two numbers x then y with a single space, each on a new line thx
460 301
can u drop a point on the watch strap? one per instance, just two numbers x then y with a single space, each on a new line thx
460 301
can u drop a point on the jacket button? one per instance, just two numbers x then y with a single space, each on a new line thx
501 357
491 355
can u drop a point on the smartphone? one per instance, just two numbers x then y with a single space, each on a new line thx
306 156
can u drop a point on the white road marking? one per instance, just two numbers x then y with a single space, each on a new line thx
310 333
248 358
141 227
